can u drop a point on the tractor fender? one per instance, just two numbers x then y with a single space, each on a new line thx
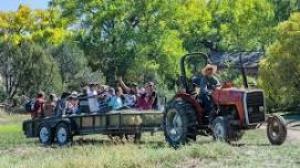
189 99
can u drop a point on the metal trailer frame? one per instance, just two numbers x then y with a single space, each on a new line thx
111 123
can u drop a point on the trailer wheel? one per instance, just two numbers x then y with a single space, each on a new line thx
137 137
63 134
45 134
276 130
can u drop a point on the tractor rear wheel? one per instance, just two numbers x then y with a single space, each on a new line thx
179 123
276 130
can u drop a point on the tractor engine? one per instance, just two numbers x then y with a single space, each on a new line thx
248 106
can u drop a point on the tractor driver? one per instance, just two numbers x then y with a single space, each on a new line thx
207 82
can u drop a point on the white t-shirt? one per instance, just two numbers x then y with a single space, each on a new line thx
92 100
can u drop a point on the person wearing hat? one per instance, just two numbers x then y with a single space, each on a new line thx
132 89
72 104
207 82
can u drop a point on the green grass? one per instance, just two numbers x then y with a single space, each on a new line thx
98 151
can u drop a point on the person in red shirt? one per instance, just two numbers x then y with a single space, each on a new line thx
147 100
38 110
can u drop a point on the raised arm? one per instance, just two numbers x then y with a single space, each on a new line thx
123 85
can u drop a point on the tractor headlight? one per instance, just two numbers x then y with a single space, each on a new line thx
261 108
250 109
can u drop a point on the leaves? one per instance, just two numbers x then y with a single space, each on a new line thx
280 70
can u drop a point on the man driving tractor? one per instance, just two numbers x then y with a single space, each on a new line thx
207 82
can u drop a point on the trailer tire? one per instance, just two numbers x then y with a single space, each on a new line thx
63 134
137 137
45 134
276 130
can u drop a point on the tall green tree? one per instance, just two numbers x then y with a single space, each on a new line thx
117 35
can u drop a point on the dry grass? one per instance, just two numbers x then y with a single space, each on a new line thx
98 151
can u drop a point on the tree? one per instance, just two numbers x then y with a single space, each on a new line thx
71 62
27 68
115 35
280 70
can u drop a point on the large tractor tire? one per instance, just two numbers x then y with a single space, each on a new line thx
276 130
180 123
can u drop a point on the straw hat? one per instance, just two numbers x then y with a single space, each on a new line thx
209 66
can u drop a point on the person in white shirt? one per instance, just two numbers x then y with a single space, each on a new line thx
92 97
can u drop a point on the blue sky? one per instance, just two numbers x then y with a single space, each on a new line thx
12 5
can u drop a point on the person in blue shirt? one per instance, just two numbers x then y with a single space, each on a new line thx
115 100
207 83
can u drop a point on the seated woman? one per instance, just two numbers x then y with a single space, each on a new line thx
72 105
50 105
147 100
115 101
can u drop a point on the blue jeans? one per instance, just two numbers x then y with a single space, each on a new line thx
208 106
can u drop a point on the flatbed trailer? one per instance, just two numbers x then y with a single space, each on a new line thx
62 129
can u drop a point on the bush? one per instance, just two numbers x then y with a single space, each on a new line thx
280 70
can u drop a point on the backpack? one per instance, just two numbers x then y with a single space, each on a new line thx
29 106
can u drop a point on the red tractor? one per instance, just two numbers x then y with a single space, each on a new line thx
237 109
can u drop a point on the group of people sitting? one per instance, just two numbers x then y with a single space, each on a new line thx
96 98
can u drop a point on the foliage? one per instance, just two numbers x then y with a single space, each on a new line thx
27 68
139 40
71 62
280 70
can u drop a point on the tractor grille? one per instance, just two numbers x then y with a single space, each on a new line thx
255 107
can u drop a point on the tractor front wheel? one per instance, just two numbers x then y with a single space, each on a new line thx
220 128
276 130
180 123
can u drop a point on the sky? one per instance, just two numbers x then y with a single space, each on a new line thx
12 5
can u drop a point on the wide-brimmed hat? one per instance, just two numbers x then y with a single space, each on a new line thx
93 83
209 66
72 97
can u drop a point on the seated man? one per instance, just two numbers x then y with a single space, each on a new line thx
207 82
61 104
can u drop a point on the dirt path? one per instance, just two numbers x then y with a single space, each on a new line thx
293 134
